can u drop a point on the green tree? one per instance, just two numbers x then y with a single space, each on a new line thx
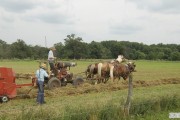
152 56
3 45
59 53
98 51
175 56
140 55
39 52
167 53
74 47
115 48
20 50
160 55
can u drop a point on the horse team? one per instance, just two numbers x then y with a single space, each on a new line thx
103 71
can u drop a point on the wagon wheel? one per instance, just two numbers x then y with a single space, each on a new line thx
78 81
4 99
53 83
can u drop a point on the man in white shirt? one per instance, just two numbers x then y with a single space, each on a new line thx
51 57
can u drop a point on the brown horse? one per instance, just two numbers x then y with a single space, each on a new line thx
123 70
115 70
103 70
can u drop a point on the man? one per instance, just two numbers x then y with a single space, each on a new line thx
51 58
40 75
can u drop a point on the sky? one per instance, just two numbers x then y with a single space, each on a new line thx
47 22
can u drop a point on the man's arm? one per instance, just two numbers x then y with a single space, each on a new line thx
45 74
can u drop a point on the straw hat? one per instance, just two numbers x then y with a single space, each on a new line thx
52 48
43 66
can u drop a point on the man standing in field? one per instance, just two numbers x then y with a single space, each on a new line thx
40 75
51 58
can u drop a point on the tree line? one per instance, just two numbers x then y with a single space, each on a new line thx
74 48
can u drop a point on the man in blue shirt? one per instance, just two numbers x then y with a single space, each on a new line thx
40 75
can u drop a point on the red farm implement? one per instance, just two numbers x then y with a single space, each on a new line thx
8 86
61 76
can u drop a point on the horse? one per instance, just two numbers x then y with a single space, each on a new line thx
95 69
115 70
59 65
62 66
105 69
123 70
91 70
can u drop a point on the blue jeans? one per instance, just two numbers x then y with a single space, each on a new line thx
40 96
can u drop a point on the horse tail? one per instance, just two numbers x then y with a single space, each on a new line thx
99 69
86 72
111 72
92 68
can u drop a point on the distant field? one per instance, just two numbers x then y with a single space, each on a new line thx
155 70
146 70
156 83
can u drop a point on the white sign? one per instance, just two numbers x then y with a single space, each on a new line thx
174 115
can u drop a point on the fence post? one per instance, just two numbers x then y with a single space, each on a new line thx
128 100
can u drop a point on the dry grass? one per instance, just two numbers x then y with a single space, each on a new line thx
90 88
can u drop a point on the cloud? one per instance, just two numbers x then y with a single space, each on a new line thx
51 17
163 6
17 5
133 20
52 12
54 18
6 17
125 29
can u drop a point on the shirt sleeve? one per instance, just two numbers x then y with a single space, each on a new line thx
45 74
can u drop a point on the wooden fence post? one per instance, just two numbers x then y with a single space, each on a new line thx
128 100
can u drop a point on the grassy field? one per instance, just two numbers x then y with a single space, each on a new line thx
103 101
146 70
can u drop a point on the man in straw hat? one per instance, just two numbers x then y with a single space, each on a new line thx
40 75
51 57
